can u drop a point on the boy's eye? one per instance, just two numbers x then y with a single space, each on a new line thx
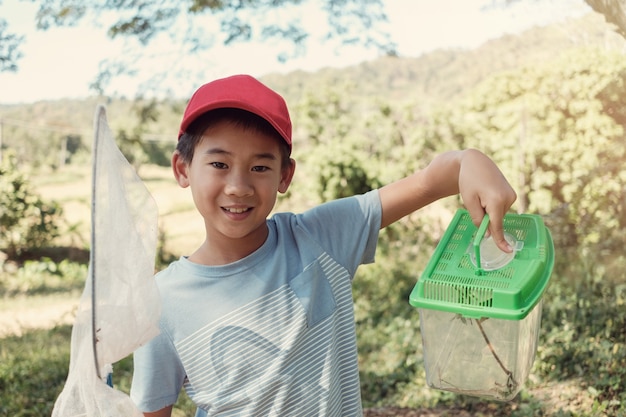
259 168
219 165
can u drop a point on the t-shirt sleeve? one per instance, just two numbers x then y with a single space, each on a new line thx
346 228
154 385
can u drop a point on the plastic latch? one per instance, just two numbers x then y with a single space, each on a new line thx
480 234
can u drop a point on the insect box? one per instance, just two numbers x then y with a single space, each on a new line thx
480 307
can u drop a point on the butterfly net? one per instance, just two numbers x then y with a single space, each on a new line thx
119 307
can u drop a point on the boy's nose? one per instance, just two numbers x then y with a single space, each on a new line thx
238 185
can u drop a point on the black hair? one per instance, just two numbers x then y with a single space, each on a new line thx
238 117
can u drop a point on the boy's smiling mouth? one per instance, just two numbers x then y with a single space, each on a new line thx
236 210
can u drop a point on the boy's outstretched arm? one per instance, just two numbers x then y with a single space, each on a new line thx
471 173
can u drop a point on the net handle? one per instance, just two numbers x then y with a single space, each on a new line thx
480 234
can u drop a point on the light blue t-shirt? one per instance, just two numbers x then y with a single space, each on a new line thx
271 334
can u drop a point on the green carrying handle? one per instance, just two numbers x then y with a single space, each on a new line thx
480 234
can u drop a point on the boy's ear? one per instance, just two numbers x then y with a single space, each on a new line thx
287 176
180 168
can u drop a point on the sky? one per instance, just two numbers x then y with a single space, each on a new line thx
63 62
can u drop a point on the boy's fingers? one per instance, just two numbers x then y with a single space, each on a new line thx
476 211
496 225
496 229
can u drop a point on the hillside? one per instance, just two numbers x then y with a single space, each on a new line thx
436 77
442 75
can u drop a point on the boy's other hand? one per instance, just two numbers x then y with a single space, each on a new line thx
164 412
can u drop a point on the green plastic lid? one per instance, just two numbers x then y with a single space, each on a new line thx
503 285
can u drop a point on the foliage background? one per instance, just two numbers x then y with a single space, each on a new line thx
548 106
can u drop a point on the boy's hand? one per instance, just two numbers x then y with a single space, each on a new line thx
470 173
484 189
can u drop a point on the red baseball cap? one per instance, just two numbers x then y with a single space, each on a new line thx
239 92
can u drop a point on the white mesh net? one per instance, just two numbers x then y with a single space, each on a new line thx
119 308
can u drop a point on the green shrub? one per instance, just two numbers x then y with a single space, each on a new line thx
38 277
26 221
584 334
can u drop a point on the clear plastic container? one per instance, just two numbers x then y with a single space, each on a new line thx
480 308
485 357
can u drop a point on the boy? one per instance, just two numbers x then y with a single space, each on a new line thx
259 319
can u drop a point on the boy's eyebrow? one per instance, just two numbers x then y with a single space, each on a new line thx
220 151
216 151
266 155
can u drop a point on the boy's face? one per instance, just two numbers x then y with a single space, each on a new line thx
234 178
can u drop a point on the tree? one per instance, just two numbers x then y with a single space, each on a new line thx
613 10
350 21
145 21
9 48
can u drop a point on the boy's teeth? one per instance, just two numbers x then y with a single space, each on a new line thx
237 210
